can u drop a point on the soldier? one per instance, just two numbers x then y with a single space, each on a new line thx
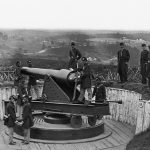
148 67
10 111
123 59
27 120
99 92
85 82
21 90
75 55
143 63
32 82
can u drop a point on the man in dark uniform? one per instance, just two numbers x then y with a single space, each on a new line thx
10 111
21 90
148 67
123 59
32 82
99 92
27 120
85 82
75 55
143 63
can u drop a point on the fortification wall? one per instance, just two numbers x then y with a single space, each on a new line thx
133 111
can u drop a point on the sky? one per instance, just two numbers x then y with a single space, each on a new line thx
75 14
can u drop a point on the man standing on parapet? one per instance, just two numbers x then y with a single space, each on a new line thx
123 59
143 63
75 55
32 82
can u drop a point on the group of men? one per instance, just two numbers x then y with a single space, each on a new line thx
26 121
85 78
19 82
123 59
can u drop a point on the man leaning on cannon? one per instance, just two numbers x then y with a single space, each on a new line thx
85 82
75 55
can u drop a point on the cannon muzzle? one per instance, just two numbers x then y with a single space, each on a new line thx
63 74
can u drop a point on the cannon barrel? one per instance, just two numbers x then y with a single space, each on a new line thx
61 75
65 79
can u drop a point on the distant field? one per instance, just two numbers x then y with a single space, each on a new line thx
25 44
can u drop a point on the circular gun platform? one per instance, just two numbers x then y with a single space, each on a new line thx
48 132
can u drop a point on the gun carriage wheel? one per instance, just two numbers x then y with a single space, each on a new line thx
76 121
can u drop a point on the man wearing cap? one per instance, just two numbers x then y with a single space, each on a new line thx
27 119
123 59
85 82
75 55
10 111
32 82
21 90
99 92
143 63
148 67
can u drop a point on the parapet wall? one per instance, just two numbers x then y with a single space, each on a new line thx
133 111
126 112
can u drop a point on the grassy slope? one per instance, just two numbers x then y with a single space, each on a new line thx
31 41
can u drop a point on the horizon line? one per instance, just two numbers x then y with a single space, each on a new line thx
79 29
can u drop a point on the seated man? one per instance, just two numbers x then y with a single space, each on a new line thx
99 92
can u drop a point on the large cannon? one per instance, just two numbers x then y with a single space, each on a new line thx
59 84
58 89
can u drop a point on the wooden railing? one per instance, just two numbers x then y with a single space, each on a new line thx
6 76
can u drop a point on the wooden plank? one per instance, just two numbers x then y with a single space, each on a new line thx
42 146
75 146
118 131
32 146
99 145
121 147
51 146
85 146
112 141
115 133
107 143
69 147
37 146
46 147
122 128
117 138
